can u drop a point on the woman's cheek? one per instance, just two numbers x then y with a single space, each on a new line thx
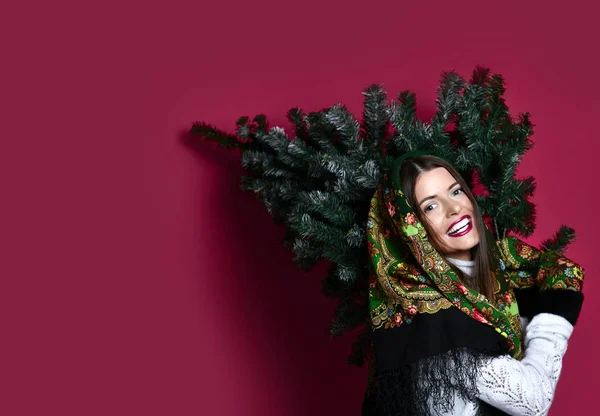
441 233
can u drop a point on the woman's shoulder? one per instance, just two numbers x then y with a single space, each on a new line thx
433 334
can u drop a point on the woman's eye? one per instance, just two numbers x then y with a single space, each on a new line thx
457 191
427 208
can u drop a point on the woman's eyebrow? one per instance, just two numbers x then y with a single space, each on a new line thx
435 196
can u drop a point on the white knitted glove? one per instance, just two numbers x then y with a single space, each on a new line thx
526 387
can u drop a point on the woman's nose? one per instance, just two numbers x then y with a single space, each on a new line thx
453 209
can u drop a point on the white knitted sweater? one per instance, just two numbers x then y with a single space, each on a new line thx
526 387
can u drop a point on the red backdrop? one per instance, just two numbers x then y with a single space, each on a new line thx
139 279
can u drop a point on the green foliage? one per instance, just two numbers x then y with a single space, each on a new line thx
560 240
319 183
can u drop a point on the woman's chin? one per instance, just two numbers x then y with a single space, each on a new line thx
464 245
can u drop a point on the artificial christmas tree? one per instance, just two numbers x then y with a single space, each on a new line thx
318 184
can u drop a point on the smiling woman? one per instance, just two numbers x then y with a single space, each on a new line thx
448 335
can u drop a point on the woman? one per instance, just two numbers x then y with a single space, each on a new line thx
447 329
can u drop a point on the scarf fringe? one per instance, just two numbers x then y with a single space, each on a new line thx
430 386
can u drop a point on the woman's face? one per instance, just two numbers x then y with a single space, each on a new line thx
448 211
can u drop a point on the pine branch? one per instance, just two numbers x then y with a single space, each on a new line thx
348 314
206 132
375 121
560 240
322 133
306 254
451 85
480 75
402 114
345 124
297 117
333 286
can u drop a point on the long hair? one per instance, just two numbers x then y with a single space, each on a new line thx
482 279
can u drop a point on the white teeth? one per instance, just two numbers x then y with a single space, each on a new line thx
459 226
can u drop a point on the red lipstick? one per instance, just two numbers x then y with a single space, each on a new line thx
466 229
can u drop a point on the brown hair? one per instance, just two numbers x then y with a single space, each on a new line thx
482 279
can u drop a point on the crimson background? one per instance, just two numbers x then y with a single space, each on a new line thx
138 279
